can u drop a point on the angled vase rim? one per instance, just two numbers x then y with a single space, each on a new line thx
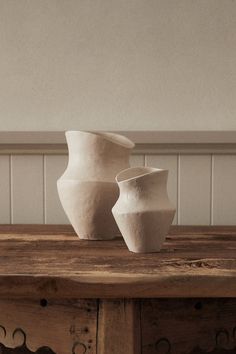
134 173
111 137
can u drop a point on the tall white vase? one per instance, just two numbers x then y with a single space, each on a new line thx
143 211
88 189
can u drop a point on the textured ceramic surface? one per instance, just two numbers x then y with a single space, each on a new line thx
88 189
143 211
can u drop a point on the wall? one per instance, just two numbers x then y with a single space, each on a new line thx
117 65
202 175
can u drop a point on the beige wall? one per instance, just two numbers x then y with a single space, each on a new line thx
117 64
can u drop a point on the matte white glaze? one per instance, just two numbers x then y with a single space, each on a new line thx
143 211
87 189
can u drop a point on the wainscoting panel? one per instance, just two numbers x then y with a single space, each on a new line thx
201 183
194 190
27 189
169 162
54 166
224 189
5 196
137 160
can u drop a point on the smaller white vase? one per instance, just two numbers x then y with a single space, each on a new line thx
143 211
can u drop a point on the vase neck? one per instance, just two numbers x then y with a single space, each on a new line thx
147 185
96 156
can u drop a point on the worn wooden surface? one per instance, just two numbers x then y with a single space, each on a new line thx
65 327
51 262
188 326
119 327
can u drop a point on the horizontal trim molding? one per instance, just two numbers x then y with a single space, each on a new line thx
139 137
147 142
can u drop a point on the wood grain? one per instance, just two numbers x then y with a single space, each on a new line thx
119 327
66 327
189 326
51 262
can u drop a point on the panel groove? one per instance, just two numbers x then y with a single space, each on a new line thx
4 190
137 160
178 190
211 191
10 189
145 160
44 190
54 168
27 189
170 163
224 196
194 191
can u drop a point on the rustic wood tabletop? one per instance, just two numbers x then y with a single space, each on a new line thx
51 261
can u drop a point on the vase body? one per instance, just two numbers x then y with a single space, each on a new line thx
87 189
143 211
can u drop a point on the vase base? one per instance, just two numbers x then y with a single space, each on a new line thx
145 232
99 237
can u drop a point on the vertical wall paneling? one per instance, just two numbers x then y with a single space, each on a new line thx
167 162
27 189
137 160
211 192
178 189
200 185
224 190
195 189
54 166
5 189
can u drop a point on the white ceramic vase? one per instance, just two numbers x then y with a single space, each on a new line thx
143 211
87 189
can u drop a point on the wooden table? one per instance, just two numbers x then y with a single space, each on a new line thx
65 296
